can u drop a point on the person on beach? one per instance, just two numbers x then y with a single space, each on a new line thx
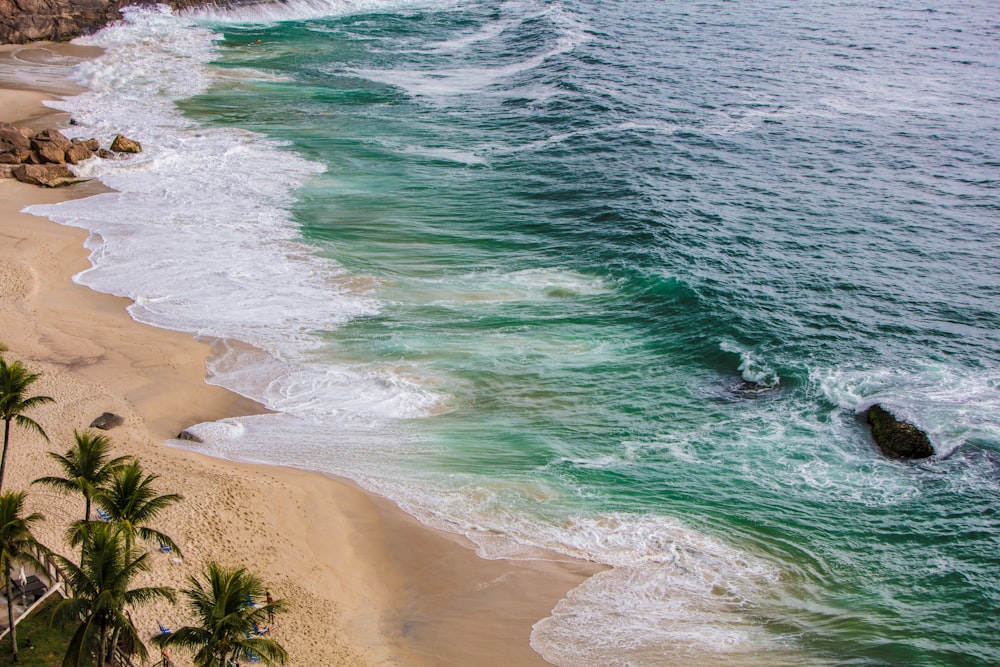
270 611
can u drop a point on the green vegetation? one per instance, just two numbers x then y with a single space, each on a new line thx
15 380
130 501
47 641
87 466
101 587
229 625
85 628
16 547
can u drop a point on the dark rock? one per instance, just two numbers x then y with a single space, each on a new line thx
188 435
898 439
123 144
46 175
107 421
105 154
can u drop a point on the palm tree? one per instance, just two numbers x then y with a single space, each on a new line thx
86 466
130 500
16 546
101 593
227 624
15 380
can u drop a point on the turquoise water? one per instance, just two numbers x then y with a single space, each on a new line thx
538 246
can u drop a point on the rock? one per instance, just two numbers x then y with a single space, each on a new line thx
125 145
898 439
46 175
188 435
77 153
105 154
52 136
7 170
13 136
11 155
93 145
107 421
50 153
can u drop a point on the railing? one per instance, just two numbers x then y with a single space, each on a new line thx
60 583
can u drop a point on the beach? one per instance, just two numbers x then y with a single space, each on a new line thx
365 583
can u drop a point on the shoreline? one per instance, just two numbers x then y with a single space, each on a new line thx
367 583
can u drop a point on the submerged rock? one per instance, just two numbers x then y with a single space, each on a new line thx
188 435
898 439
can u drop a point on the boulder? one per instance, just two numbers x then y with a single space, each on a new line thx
46 175
898 439
91 144
123 144
50 153
188 435
13 136
77 153
7 170
52 136
107 421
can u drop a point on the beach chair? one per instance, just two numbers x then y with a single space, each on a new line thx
103 515
164 630
165 548
257 631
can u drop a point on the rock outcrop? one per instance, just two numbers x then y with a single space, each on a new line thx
40 158
60 20
898 439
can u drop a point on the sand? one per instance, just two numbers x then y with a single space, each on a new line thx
366 583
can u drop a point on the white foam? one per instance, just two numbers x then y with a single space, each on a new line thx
953 405
444 83
297 10
199 235
753 367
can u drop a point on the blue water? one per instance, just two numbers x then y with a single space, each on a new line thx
509 264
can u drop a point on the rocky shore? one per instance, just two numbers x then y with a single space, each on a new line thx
23 21
41 158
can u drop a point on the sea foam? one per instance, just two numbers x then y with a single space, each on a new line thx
198 233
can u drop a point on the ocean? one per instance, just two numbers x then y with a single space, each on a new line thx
513 265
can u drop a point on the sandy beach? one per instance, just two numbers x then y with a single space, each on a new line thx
366 583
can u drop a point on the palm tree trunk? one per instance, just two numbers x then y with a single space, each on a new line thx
102 647
10 615
3 455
